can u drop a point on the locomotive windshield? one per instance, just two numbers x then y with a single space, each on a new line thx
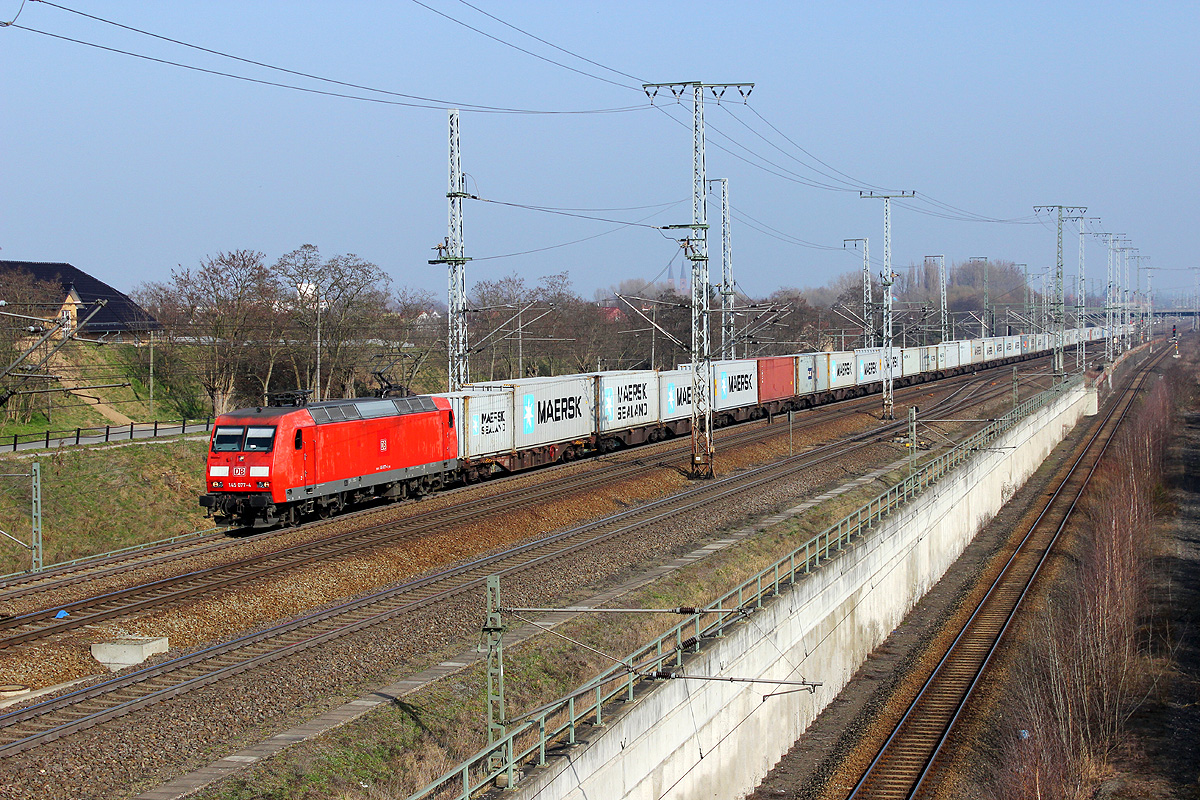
231 439
228 439
259 439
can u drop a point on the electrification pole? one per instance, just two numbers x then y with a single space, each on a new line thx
1081 296
1058 315
696 248
887 279
1028 297
888 400
726 273
983 317
942 287
1124 251
451 254
868 306
1140 298
1109 298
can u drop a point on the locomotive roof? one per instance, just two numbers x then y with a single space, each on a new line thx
340 410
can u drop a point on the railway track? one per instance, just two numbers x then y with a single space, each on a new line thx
42 623
166 553
908 759
31 726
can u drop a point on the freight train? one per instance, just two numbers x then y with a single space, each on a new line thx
277 465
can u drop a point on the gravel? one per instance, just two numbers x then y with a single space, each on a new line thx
143 749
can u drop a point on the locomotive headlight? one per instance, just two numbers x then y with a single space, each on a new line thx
264 484
218 484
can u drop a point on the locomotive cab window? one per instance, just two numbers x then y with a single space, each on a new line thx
299 439
259 440
228 439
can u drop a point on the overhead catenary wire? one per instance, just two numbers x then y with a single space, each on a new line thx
408 100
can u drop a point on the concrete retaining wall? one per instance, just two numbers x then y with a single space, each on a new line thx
704 739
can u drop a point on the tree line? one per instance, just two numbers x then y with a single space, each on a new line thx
239 327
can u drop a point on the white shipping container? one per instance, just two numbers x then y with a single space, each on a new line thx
949 356
910 361
1012 346
993 348
483 421
674 394
964 352
806 374
928 358
735 384
835 370
868 365
548 410
628 399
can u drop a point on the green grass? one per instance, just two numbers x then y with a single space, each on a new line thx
95 365
99 499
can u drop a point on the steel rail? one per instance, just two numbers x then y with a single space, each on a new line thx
44 622
31 726
156 555
907 757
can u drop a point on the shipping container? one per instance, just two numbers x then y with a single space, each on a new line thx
483 421
835 370
964 352
806 374
994 348
674 394
735 384
947 355
868 365
776 378
976 346
1012 346
910 361
628 399
548 410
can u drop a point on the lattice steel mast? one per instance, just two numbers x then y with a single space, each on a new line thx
696 248
942 291
1058 313
868 305
727 343
451 254
887 275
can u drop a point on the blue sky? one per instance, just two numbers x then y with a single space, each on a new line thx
128 168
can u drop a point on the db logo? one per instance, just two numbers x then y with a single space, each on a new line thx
383 445
239 471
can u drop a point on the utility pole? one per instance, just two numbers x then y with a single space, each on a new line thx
452 255
1028 297
1081 295
1058 317
726 273
35 535
493 631
696 247
984 328
1140 298
868 306
1109 298
942 286
889 403
888 275
1124 250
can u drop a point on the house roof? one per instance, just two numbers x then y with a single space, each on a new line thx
121 314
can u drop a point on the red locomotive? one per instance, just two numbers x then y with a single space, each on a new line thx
272 465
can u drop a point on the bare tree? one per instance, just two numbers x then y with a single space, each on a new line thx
215 311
